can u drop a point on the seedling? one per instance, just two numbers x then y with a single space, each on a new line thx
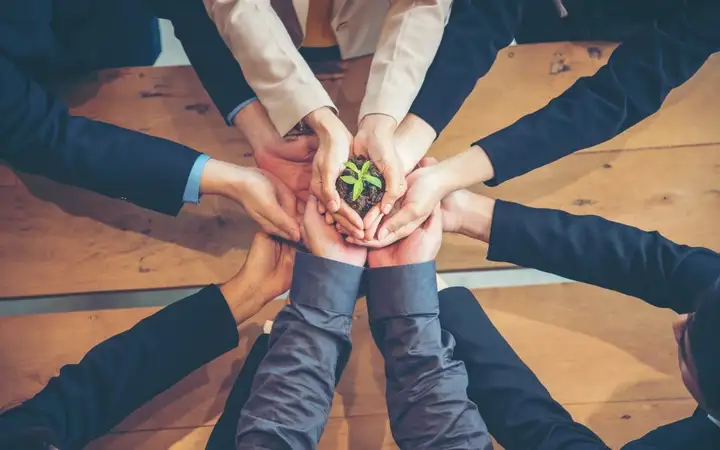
362 176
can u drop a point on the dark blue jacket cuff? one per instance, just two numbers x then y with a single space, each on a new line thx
402 290
325 284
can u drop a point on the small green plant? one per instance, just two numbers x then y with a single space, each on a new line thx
363 176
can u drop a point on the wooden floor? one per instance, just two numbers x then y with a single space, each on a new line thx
608 358
663 174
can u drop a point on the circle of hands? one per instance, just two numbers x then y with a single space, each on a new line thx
300 172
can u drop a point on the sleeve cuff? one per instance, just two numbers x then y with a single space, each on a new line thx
325 284
231 117
400 291
192 188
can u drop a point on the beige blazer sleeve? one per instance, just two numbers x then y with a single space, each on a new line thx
408 42
272 65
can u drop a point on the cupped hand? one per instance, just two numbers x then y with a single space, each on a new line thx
324 241
290 160
420 246
267 274
375 140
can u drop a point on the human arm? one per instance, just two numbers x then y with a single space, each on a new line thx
309 345
425 388
87 399
475 32
270 61
639 75
593 250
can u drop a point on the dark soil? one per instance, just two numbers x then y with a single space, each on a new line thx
371 195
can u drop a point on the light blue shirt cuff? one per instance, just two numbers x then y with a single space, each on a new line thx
192 188
714 420
230 117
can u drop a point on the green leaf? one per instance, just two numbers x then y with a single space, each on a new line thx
365 168
375 181
357 190
351 165
348 179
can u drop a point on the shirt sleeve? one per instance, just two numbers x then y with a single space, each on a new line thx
633 84
476 31
293 389
230 117
593 250
192 188
408 41
426 389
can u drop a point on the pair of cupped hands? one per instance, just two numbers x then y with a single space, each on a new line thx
307 166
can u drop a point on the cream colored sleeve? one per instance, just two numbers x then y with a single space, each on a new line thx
408 42
273 67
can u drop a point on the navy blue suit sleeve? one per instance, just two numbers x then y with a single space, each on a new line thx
633 85
604 253
38 135
475 32
214 63
87 399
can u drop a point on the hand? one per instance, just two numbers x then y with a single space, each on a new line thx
412 138
426 188
421 246
289 158
375 139
267 273
265 198
324 241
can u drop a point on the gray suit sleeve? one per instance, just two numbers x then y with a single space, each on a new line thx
426 390
309 345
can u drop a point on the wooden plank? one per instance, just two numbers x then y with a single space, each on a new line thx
587 345
60 240
107 245
520 82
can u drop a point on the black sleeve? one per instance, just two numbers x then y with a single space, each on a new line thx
212 60
476 31
593 250
38 135
87 399
633 84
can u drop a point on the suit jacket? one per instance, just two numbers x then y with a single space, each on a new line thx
663 44
44 40
404 38
596 251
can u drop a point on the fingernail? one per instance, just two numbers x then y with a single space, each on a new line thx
382 234
387 208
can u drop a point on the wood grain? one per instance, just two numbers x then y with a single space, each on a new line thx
609 358
57 240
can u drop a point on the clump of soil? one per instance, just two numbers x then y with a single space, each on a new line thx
370 195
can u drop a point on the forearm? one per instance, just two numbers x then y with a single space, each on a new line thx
593 250
310 343
409 39
274 69
122 373
476 31
425 389
633 85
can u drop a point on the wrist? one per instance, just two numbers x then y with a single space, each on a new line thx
219 177
378 123
254 123
243 297
476 217
466 169
322 119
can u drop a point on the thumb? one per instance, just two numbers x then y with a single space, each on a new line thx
428 161
283 221
397 221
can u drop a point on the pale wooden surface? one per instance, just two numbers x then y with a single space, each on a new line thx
55 240
609 358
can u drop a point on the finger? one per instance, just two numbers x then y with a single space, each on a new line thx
371 231
269 228
321 208
348 226
371 216
353 219
401 233
428 161
301 207
340 229
434 223
330 195
329 219
283 221
407 214
395 186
